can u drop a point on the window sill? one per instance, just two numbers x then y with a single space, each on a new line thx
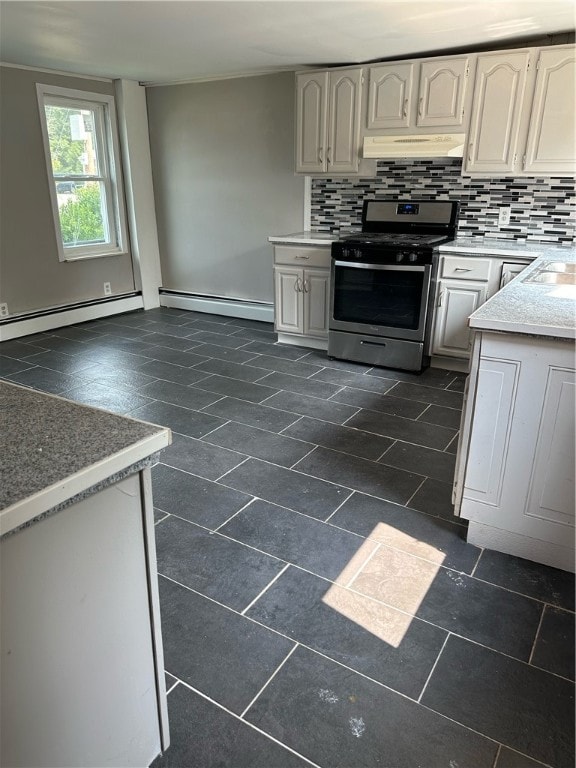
90 256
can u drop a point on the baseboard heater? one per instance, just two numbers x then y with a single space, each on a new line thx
218 305
37 321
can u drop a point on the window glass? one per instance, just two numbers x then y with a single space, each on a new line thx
79 138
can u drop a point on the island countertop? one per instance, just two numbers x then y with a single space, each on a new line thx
55 449
536 309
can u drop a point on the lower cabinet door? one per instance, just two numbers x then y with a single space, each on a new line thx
288 293
316 301
457 300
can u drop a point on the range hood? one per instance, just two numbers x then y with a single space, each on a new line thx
419 145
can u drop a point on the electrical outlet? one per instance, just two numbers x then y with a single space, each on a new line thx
503 217
107 289
3 310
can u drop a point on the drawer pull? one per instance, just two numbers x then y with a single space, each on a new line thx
462 269
302 257
405 108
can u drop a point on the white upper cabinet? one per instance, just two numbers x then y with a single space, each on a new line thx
551 139
441 93
328 121
311 115
498 94
413 94
523 114
390 96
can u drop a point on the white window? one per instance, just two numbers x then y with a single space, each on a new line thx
82 157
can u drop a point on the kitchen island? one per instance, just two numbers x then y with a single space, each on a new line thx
515 468
81 649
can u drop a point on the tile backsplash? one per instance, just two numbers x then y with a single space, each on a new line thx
542 209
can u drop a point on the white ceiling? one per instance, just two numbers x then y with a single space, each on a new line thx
160 41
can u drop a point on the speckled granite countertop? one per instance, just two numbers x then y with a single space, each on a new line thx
54 449
485 246
304 238
537 309
481 246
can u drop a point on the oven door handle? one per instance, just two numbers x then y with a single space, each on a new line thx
382 267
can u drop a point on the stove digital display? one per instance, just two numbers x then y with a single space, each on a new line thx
405 208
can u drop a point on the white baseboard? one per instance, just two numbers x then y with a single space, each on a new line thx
518 544
450 363
303 341
219 306
63 317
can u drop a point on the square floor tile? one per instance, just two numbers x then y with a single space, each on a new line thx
260 444
232 370
371 638
230 573
44 379
554 648
222 740
194 498
327 410
398 428
435 498
357 380
426 394
9 365
339 719
220 653
452 600
426 461
170 372
182 420
179 394
199 458
298 539
243 390
361 475
550 585
342 439
443 417
286 487
525 708
101 396
254 415
413 532
298 385
373 401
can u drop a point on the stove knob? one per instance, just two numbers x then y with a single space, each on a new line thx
357 253
413 257
345 253
400 257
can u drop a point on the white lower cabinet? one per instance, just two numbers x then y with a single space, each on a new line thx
456 301
516 460
302 294
302 300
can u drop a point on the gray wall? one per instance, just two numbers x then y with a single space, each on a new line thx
223 170
31 277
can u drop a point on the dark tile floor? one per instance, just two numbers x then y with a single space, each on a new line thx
320 604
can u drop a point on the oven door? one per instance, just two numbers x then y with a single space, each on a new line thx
380 299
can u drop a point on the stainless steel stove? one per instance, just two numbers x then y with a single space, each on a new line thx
383 280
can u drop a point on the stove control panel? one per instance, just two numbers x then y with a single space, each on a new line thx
372 253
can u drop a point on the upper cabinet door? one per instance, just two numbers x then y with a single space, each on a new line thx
343 152
389 100
498 95
551 141
442 90
311 116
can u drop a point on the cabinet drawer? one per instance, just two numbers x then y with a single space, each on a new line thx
466 268
302 256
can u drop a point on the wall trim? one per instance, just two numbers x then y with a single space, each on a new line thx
58 317
55 72
218 305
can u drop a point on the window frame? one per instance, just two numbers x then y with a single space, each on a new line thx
110 174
